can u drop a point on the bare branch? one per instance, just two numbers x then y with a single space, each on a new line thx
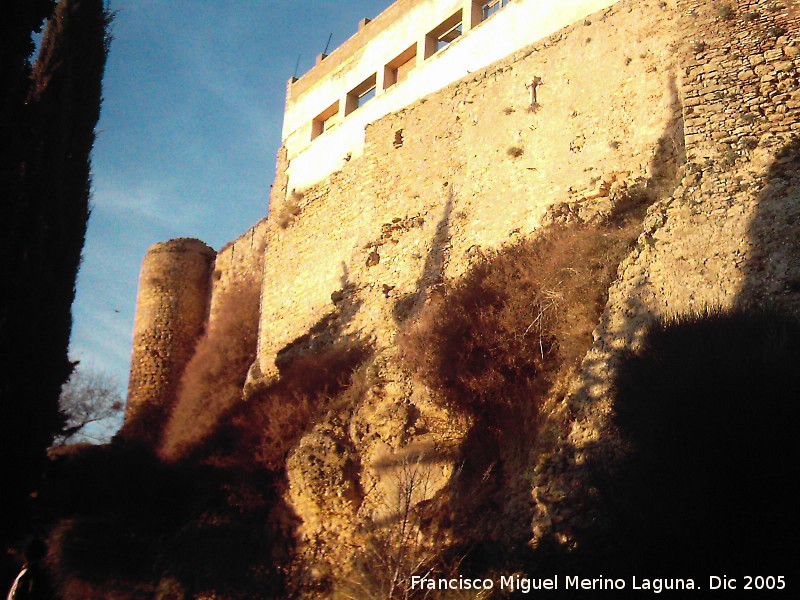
91 405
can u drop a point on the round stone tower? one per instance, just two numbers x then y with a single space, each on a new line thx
171 313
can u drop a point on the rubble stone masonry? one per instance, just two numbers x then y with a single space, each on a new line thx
171 313
728 235
469 169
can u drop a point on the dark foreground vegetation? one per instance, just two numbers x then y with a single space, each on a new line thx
707 406
128 525
204 512
48 112
704 409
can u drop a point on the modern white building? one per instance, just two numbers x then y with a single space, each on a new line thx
410 50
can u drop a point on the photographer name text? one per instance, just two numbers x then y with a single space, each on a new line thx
526 585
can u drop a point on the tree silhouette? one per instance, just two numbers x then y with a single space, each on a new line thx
47 119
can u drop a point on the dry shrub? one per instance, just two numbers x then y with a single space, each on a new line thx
289 210
396 549
517 317
259 432
214 378
495 345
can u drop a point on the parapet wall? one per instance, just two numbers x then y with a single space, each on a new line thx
171 313
468 169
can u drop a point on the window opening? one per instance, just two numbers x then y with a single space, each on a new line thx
366 96
399 67
491 7
361 94
325 120
448 36
446 33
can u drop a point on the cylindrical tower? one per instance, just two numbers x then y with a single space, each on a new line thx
171 313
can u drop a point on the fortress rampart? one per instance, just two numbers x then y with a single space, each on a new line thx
238 263
471 167
475 164
700 97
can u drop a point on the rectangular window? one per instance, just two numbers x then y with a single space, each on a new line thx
491 7
399 67
360 95
325 120
446 33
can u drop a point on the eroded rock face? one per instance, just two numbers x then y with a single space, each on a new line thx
380 451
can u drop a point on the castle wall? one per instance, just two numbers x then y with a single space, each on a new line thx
238 264
405 26
468 169
726 236
171 313
474 166
730 233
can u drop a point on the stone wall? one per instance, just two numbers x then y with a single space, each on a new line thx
729 233
468 169
476 166
238 263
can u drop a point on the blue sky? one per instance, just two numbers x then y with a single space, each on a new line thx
190 127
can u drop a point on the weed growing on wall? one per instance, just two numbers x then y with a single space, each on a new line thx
290 210
725 11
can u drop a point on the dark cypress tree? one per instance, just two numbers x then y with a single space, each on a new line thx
19 21
51 117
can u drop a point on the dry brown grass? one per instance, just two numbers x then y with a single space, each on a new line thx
259 432
214 378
